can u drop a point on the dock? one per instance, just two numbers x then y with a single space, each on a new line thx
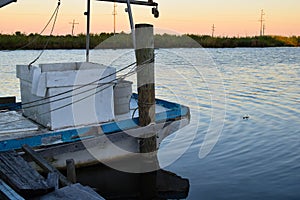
19 180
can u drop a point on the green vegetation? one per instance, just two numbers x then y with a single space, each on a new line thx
122 40
257 41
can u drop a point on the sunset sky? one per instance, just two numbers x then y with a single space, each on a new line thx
230 17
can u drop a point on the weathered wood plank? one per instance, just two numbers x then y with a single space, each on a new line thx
21 176
75 191
7 193
53 180
45 165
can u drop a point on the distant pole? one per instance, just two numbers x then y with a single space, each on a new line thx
264 29
145 82
115 15
88 16
261 22
213 30
73 25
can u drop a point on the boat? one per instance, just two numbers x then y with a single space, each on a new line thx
83 111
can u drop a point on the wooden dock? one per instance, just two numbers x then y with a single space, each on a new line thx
21 177
19 180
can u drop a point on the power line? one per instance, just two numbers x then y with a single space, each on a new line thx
51 32
38 35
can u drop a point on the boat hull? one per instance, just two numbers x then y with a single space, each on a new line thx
90 144
107 148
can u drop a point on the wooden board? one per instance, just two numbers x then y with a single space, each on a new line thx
8 193
19 175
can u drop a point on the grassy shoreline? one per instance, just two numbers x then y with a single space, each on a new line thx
122 40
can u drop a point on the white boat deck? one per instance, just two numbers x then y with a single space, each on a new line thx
13 125
14 122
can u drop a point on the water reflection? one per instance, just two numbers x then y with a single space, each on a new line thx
114 184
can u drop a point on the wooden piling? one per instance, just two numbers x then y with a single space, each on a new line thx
145 82
71 171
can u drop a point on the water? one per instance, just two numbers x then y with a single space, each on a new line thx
257 157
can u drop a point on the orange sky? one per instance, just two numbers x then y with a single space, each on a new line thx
231 17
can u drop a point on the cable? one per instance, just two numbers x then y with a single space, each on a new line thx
66 105
32 41
130 73
52 29
68 91
74 89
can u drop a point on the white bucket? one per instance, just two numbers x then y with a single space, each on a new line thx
122 95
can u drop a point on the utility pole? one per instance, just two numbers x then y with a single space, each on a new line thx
115 14
73 25
213 30
262 22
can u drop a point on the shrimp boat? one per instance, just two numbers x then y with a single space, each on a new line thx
84 111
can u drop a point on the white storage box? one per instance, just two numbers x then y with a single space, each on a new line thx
67 94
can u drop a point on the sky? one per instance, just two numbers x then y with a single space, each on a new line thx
230 17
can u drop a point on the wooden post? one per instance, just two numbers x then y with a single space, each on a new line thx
144 52
71 172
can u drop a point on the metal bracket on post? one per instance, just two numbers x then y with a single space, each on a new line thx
142 3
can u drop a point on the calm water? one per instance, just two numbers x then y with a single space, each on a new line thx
257 154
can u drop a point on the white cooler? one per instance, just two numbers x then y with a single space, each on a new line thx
90 100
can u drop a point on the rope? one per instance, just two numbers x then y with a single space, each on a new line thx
74 89
45 27
52 29
66 105
130 73
82 86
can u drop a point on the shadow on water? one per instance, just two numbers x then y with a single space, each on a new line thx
114 184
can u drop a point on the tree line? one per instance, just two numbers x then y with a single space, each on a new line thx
122 40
